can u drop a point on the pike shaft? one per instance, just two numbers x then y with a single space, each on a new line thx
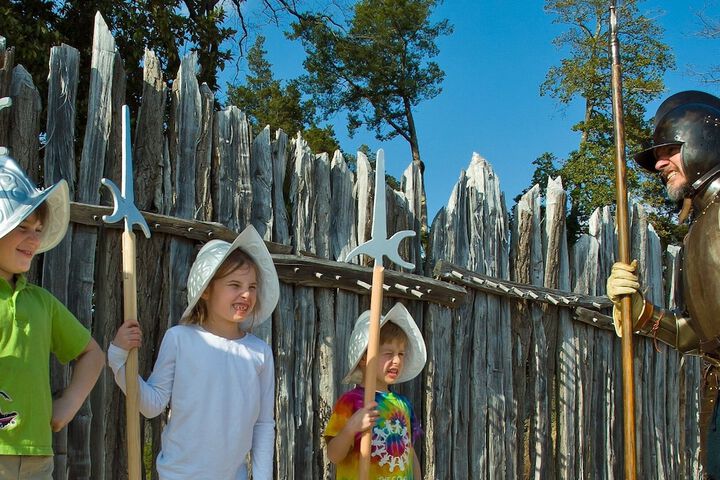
623 252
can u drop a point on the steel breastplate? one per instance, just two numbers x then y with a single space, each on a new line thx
701 265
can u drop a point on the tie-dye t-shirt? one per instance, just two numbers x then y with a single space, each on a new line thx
393 436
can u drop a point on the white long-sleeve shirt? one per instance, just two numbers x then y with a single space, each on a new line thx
221 395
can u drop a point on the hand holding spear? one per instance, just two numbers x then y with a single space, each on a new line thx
125 209
623 253
376 247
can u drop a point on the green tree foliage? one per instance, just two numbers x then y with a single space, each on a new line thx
169 27
376 68
585 74
30 28
267 102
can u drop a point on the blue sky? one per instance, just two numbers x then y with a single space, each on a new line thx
494 63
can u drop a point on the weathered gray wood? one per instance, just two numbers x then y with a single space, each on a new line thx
203 167
92 161
532 266
327 346
555 260
7 63
62 98
343 210
24 134
456 249
583 266
439 440
167 193
149 154
567 357
284 333
343 238
203 171
59 164
488 254
283 326
300 192
231 160
526 215
304 216
108 310
261 177
364 191
148 137
645 419
25 125
502 421
413 188
184 135
261 217
400 218
279 167
607 453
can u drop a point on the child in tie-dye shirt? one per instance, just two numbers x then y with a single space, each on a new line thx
395 428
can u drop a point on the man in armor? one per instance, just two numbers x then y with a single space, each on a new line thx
686 155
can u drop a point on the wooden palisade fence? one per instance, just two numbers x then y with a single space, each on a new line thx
523 377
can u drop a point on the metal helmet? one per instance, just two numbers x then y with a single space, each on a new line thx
696 128
681 98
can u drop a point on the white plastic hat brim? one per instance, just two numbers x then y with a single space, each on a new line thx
214 253
415 352
19 198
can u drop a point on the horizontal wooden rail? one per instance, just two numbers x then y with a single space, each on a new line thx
300 269
179 227
316 272
452 273
585 307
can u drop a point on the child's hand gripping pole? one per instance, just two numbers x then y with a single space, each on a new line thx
376 247
125 209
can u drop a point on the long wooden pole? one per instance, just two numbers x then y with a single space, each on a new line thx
376 299
132 414
628 377
126 210
377 247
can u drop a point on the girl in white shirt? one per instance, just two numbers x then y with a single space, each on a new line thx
218 378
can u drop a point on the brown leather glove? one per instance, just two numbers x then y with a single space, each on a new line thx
623 281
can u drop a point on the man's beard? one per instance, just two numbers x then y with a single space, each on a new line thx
679 192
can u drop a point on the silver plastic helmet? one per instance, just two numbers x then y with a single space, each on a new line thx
695 126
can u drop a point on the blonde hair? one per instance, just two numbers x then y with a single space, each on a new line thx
388 333
392 331
42 212
235 261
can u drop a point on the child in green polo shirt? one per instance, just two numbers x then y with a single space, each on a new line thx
33 324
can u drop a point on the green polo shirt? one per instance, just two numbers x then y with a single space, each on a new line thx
33 323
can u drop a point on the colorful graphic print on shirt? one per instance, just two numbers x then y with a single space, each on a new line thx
393 436
7 420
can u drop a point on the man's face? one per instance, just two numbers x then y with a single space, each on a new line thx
668 162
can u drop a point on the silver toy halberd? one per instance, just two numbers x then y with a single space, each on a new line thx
379 244
124 203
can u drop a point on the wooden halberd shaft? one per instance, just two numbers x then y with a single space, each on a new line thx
628 377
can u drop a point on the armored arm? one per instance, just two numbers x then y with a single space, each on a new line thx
668 327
